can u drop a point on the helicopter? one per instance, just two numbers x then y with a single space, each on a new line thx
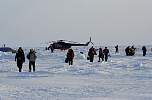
64 45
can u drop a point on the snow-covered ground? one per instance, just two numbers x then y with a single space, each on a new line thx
121 78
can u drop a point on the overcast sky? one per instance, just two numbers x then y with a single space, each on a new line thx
108 22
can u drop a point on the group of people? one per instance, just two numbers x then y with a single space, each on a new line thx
20 59
130 51
103 54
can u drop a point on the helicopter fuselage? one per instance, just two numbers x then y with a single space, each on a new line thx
60 44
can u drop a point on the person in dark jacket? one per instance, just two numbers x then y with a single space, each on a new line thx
101 55
91 53
106 52
116 47
70 56
127 51
144 50
20 58
51 47
31 56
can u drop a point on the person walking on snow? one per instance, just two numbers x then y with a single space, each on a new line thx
20 58
31 56
117 50
144 50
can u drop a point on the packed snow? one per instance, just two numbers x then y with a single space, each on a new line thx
121 78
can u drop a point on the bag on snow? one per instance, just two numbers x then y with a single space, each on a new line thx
88 58
66 60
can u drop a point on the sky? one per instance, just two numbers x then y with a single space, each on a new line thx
108 22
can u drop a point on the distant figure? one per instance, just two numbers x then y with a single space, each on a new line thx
91 54
127 51
130 51
116 47
106 52
70 56
31 56
101 55
51 47
20 57
144 50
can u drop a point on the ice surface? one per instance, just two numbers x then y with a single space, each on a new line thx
121 78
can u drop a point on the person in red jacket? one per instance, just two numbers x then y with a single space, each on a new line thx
70 56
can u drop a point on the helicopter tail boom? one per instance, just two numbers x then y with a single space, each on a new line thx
83 44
